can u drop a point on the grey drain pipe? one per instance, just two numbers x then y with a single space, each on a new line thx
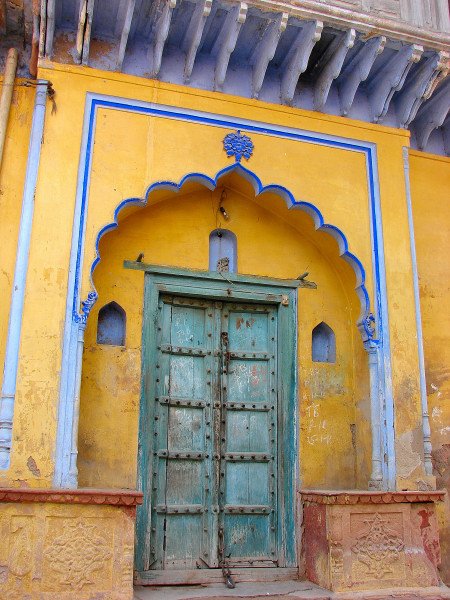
8 392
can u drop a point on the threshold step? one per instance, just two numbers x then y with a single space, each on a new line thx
283 590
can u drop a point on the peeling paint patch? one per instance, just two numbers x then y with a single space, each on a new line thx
31 464
407 459
436 412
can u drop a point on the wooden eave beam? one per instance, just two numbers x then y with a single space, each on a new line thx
357 71
83 40
342 18
215 275
226 42
297 62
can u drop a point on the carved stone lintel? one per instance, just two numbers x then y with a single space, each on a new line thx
390 79
297 61
357 71
226 42
331 68
370 497
78 496
265 51
193 35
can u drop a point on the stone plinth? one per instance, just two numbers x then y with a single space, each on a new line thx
67 544
356 541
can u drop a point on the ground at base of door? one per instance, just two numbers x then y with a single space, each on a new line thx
283 590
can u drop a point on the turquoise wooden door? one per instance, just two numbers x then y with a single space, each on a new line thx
214 468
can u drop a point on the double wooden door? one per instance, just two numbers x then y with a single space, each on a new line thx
214 484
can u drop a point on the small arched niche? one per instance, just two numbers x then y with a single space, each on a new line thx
111 325
323 344
222 251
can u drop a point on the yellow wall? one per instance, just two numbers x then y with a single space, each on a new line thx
12 173
132 151
175 231
430 185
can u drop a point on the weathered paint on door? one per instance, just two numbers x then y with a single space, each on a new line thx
214 490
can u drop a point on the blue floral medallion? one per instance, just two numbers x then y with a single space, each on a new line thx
238 145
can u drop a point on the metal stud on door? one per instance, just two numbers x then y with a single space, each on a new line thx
248 486
214 490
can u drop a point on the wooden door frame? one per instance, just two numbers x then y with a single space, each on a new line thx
223 287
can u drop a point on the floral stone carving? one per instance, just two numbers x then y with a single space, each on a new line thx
238 145
378 547
78 553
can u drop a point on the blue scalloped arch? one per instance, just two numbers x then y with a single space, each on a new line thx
365 321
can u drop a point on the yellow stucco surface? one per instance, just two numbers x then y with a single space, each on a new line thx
132 151
430 185
174 231
12 175
66 551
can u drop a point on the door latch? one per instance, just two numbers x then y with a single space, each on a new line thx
229 582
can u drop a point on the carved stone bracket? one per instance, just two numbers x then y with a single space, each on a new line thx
79 496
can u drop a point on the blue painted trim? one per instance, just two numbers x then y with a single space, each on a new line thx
95 101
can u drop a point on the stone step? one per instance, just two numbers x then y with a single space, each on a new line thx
283 590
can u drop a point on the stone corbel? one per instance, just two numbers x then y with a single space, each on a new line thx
298 60
160 33
419 89
226 42
193 35
332 65
432 114
446 135
357 71
390 79
265 51
125 33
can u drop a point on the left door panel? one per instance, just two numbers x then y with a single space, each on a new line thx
183 519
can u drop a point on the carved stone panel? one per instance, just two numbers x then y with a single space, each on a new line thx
71 551
371 545
378 542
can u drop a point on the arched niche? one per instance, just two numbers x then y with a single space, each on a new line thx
111 325
323 344
222 251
